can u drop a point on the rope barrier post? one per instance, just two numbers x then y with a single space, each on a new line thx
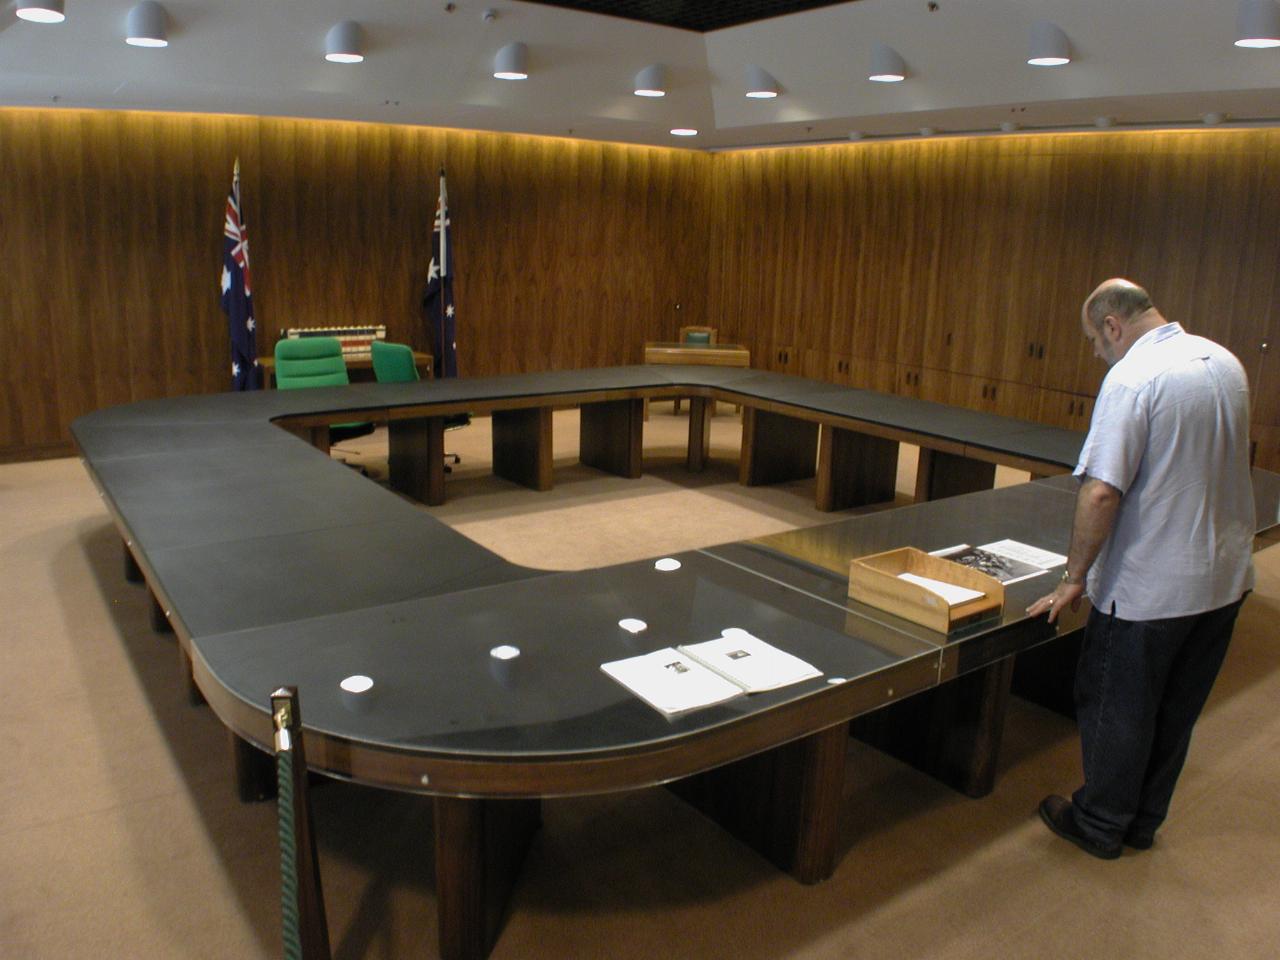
305 930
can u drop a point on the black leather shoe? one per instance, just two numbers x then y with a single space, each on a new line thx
1056 813
1137 840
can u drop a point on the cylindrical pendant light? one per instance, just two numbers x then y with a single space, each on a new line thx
887 65
1049 45
760 84
1258 24
512 62
41 11
344 43
146 26
651 81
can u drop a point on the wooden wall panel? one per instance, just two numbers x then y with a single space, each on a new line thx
971 256
566 253
966 256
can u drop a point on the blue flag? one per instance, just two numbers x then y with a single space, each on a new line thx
437 302
237 301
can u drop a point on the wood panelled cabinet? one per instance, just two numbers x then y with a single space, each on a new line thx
1266 446
819 365
868 374
1060 408
979 393
907 380
780 357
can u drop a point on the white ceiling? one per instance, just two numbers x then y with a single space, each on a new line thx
1139 61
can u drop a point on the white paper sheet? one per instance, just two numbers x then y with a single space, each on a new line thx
949 592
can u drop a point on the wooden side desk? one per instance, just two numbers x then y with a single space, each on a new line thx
700 408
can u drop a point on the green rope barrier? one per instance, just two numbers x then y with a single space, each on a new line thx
288 856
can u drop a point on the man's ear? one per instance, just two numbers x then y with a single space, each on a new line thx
1113 327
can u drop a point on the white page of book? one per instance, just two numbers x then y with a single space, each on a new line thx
1025 553
750 662
950 592
669 681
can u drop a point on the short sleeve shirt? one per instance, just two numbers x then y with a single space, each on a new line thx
1170 431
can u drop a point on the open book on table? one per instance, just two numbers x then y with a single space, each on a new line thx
677 679
1007 560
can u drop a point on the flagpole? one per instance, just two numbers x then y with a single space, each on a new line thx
444 234
444 272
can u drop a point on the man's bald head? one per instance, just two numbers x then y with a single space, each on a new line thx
1119 298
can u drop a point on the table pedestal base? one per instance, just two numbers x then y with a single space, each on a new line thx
854 469
611 436
522 446
415 456
784 803
776 448
949 475
480 846
952 732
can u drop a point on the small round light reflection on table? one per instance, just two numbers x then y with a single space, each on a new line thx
357 692
502 663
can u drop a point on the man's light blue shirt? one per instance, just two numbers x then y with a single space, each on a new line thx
1170 431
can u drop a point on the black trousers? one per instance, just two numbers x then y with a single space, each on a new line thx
1140 686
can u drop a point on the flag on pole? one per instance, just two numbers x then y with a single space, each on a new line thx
237 301
437 302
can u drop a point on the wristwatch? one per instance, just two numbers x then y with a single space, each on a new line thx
1068 578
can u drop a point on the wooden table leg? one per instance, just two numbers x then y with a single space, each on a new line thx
611 436
480 846
951 732
416 458
1046 675
522 446
784 803
255 770
186 676
854 469
699 435
949 475
776 448
132 572
159 616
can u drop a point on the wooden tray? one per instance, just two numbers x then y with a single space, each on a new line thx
873 580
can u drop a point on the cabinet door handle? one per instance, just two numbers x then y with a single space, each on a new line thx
1040 352
993 392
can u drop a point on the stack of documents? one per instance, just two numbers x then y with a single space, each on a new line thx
678 679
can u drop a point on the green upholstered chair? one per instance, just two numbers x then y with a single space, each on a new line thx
393 363
316 362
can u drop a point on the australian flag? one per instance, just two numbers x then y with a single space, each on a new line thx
437 302
237 302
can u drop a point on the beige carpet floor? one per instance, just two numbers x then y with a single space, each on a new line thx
120 835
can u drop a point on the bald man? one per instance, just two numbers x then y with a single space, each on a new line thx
1161 543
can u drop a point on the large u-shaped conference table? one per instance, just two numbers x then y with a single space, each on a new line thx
276 564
